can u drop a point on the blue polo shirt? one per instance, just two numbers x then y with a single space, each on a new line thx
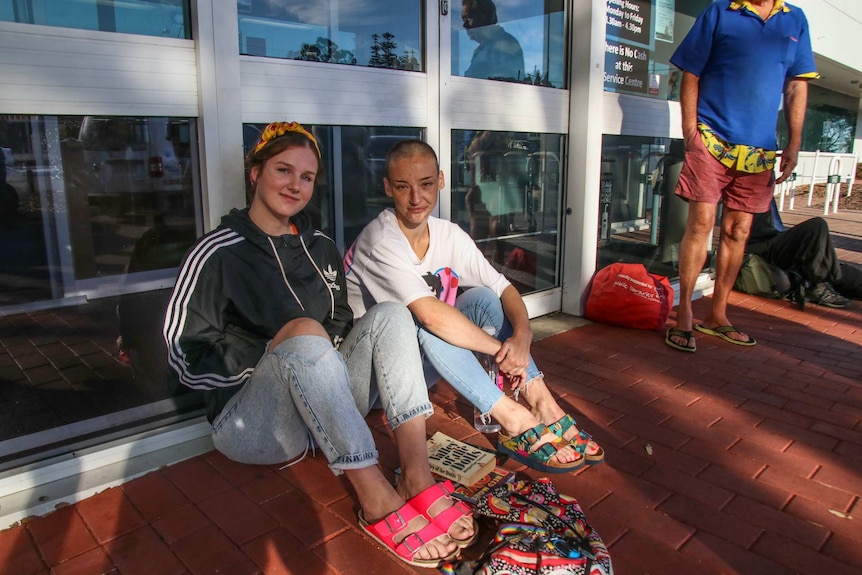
743 63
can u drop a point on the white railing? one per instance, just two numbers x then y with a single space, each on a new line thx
832 169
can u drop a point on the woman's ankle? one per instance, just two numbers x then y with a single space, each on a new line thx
411 484
543 406
513 417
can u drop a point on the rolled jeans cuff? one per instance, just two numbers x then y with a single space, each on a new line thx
426 409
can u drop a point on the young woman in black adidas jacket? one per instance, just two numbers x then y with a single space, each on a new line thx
259 322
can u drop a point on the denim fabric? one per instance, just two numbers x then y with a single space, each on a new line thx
459 366
383 359
306 391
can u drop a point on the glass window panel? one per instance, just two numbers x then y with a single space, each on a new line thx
640 218
513 42
138 176
641 36
830 121
506 193
385 34
169 18
96 213
96 198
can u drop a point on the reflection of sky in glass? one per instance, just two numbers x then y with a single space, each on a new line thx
73 14
130 16
282 39
288 24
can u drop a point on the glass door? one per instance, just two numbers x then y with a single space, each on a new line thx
503 125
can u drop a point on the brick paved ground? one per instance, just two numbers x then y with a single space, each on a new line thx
730 460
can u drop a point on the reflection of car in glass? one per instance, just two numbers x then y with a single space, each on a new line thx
13 176
146 157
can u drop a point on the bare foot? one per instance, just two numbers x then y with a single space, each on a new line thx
682 340
564 453
515 419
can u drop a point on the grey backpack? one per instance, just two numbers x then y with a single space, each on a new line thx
759 277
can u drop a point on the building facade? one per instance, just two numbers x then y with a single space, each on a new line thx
123 127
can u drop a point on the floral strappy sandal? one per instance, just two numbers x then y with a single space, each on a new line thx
520 448
579 442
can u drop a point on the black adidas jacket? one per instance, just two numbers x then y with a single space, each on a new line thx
236 288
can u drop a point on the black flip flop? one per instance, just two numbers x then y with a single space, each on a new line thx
722 331
672 332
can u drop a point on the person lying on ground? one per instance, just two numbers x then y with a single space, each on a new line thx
806 250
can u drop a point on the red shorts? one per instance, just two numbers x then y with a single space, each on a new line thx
704 179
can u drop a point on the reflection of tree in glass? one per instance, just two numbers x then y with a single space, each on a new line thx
325 50
383 53
827 129
537 78
837 135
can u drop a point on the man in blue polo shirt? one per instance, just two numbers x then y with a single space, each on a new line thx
737 62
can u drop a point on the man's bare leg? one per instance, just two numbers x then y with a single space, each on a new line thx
692 255
735 227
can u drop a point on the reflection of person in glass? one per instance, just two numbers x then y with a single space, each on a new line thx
673 86
485 157
498 55
8 196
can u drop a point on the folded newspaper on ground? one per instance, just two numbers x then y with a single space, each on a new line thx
461 462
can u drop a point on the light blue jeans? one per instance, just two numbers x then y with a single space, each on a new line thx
459 366
305 390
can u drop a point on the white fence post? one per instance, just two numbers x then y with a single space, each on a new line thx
813 176
833 186
852 175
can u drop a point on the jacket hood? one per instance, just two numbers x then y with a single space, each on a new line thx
240 222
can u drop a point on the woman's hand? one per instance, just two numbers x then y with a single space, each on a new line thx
513 359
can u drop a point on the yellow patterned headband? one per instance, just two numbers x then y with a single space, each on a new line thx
277 129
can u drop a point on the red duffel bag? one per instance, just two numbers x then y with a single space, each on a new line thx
628 295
